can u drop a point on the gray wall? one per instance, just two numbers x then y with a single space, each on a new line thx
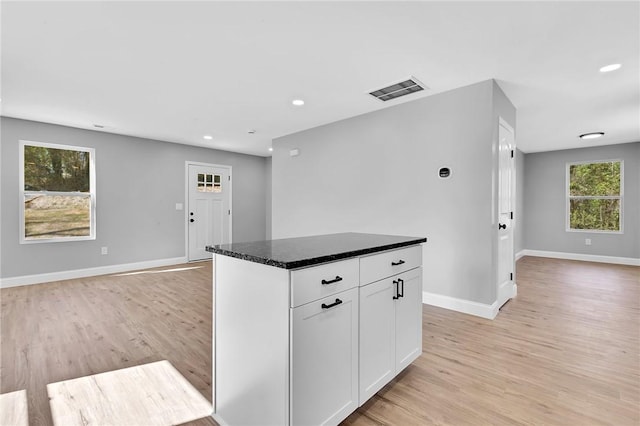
378 173
139 181
520 211
545 203
267 181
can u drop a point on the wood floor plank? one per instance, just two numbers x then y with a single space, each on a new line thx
566 351
13 409
68 329
154 393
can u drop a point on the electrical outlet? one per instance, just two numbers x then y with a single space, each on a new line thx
587 241
105 250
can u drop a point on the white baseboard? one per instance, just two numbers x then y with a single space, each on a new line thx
584 257
88 272
460 305
520 254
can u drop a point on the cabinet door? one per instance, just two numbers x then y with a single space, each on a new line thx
408 324
324 363
377 337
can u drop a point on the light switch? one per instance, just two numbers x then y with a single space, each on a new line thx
294 152
178 206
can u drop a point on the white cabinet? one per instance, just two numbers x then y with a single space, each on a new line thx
324 362
390 327
377 337
314 283
388 263
408 319
307 346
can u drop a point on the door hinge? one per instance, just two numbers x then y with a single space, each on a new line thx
511 153
511 215
229 178
229 212
511 276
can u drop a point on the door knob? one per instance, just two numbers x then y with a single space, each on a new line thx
191 220
502 226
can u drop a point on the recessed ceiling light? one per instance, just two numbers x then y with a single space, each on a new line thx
592 135
251 132
611 67
208 137
270 149
297 102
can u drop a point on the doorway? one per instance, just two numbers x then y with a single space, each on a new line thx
208 208
506 201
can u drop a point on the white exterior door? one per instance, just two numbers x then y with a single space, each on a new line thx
208 208
506 201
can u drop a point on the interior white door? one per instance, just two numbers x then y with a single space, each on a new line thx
506 199
209 208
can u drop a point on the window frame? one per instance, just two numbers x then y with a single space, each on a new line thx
569 197
22 192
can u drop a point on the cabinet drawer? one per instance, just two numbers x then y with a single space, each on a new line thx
314 283
388 263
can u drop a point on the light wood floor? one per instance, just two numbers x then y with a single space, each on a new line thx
566 351
67 329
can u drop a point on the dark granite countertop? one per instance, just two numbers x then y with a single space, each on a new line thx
291 253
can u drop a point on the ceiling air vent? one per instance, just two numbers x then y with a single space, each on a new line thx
406 87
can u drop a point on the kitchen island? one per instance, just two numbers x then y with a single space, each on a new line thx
308 329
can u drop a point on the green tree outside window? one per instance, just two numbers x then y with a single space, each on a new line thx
595 196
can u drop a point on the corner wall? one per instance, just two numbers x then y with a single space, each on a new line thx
139 181
545 203
520 211
378 173
268 197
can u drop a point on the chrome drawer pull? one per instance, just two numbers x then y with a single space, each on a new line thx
335 280
336 303
399 262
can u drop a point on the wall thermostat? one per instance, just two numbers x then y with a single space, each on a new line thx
444 172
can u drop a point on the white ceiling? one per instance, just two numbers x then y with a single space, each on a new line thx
176 71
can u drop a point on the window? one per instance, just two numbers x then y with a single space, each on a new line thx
209 183
57 193
594 196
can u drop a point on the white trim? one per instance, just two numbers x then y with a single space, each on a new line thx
218 419
520 254
460 305
188 163
88 272
583 257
